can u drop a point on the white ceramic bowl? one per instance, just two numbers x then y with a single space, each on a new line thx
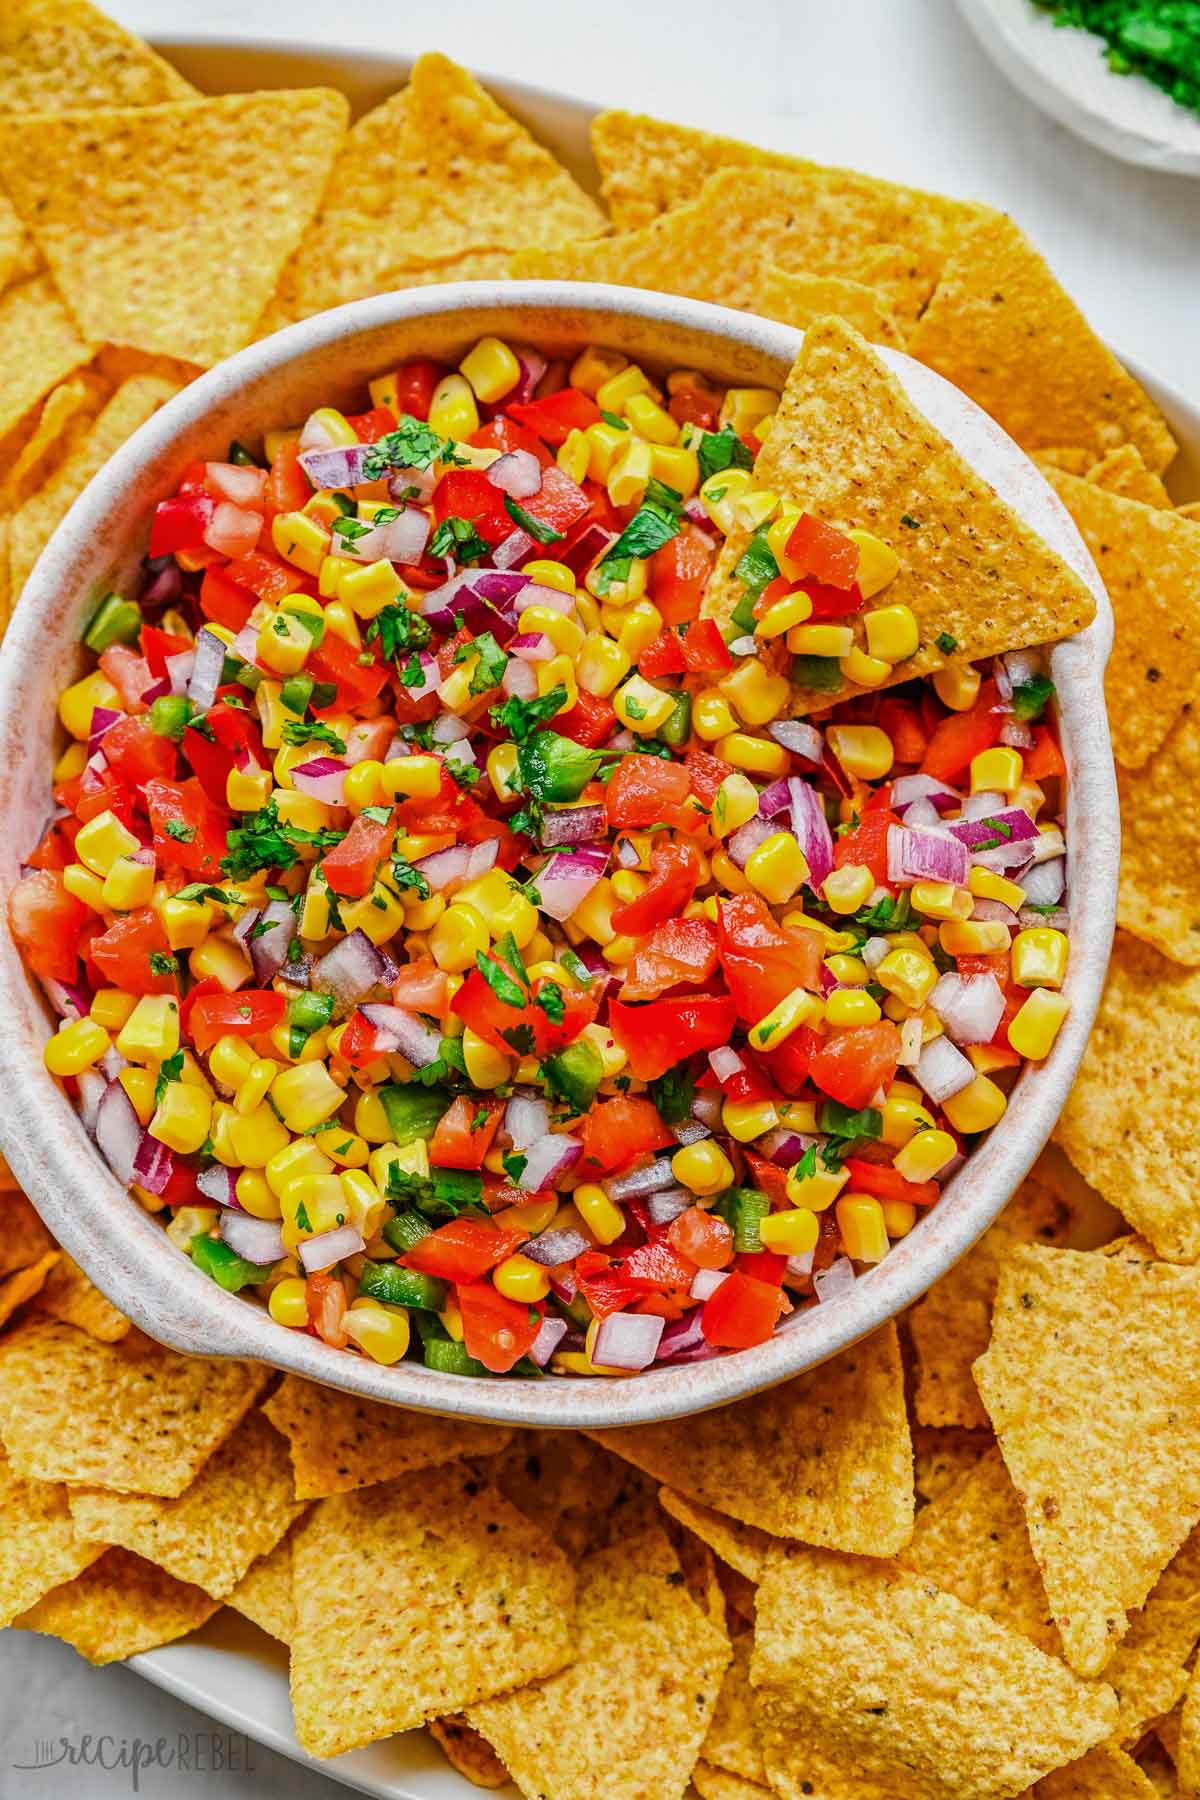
100 544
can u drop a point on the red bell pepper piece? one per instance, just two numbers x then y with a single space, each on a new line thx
705 775
589 722
180 523
468 494
556 416
349 868
962 735
743 1312
337 661
887 1183
705 651
158 645
662 657
247 1013
461 1250
822 551
674 872
852 1065
265 575
902 722
791 1061
604 1284
465 1132
359 1042
559 503
496 1331
416 383
657 1036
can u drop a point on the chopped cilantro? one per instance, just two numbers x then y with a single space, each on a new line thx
806 1168
518 717
756 566
413 445
170 1069
183 834
412 675
634 707
491 665
458 538
655 523
541 534
912 524
611 418
574 964
673 1094
349 531
263 841
311 731
502 984
550 999
198 891
945 643
406 876
719 450
514 1165
398 628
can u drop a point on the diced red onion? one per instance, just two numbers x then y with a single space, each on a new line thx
532 647
111 1063
652 1177
785 1148
519 680
662 1208
118 1131
742 844
705 1283
448 729
180 669
568 878
460 755
587 547
744 646
350 970
153 1164
627 1340
166 586
92 1087
812 829
924 855
1017 735
1010 857
706 1107
1020 666
532 367
799 1267
245 645
315 434
553 1248
994 912
548 1160
513 549
694 512
1048 844
258 1240
1004 683
551 1332
430 680
103 720
943 1070
1044 882
402 539
774 799
692 1131
970 1007
518 474
245 925
627 853
834 1281
1011 824
526 1119
233 530
724 1063
207 670
921 812
977 806
684 1341
219 1184
398 1029
907 788
440 604
911 1037
572 825
445 869
322 778
412 484
502 588
69 1000
329 1247
338 467
268 950
799 737
482 858
537 595
874 950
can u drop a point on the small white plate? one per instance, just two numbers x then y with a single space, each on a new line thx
1064 72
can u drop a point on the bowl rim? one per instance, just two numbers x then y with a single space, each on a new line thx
129 1256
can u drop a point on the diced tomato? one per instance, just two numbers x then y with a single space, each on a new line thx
464 1133
188 829
662 657
57 848
866 844
180 523
524 1030
589 722
763 1265
496 1331
247 1013
886 1183
288 487
902 722
136 753
741 1313
695 406
46 922
421 986
657 1036
604 1285
659 1265
158 645
619 1130
678 952
265 575
769 1177
705 775
645 790
223 602
962 735
208 985
827 601
1046 758
461 1250
415 384
129 674
468 494
678 575
373 424
356 682
235 737
762 960
702 1237
556 416
350 867
705 651
791 1061
674 872
822 551
504 434
325 1298
852 1065
123 955
749 1085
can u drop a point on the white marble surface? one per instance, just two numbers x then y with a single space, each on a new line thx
895 86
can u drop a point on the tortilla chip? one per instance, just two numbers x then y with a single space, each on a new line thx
743 1547
648 166
583 1495
907 1687
712 1783
797 299
23 1285
1150 563
40 1547
1123 471
628 1717
5 575
39 347
823 222
952 1324
339 1442
1127 1124
1105 1773
732 1740
65 416
61 54
467 1752
942 1456
118 1607
137 400
166 227
1000 327
1190 510
69 1295
12 241
436 1575
1148 1671
264 1594
237 1509
23 1237
848 445
1092 1383
437 172
826 1457
1187 1746
130 1416
1159 898
1075 462
351 271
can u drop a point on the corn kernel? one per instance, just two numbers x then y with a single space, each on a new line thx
678 467
501 767
84 886
702 1167
759 756
746 1120
778 533
777 868
744 407
892 633
752 509
230 1060
630 472
128 884
878 563
381 1332
601 1216
102 840
111 1007
593 367
976 1107
925 1155
71 763
908 974
287 1303
865 671
76 1047
411 777
182 1118
1039 957
77 702
452 411
650 420
604 443
283 644
190 1222
302 541
903 1112
256 1137
559 672
612 395
795 1009
851 1006
519 1278
711 716
256 1085
821 640
619 593
847 889
458 937
862 750
726 872
248 789
997 769
222 958
719 493
364 785
601 664
492 369
642 707
255 1195
860 1222
973 937
818 1190
612 1057
151 1032
957 686
305 1095
941 900
793 609
1033 1031
757 695
791 1233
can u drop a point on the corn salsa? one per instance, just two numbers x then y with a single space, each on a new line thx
456 942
